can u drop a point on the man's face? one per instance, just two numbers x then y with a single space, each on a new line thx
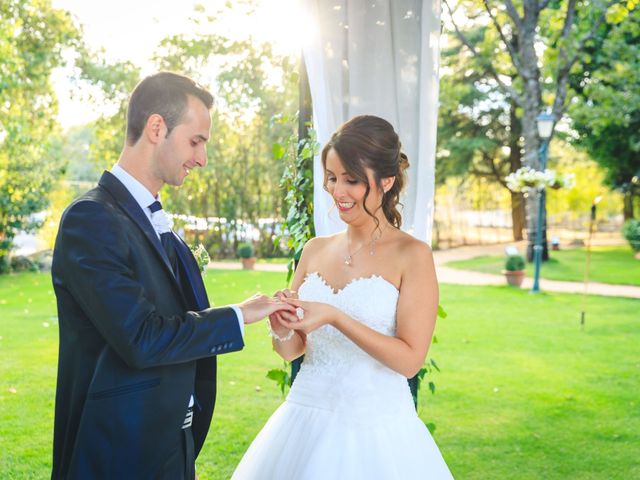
185 147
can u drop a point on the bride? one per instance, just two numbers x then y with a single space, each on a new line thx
365 316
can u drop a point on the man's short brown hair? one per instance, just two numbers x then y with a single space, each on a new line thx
166 94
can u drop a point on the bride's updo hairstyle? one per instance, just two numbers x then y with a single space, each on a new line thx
370 142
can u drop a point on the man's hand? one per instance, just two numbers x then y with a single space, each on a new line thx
259 306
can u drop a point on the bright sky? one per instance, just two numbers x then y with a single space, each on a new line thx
131 30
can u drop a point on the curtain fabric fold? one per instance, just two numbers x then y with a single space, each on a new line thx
379 58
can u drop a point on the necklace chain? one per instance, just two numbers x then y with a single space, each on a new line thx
348 259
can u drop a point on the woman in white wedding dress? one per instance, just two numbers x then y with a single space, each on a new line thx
367 300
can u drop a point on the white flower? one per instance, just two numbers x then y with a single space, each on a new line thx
201 255
527 179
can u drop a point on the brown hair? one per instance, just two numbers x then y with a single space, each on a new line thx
164 93
371 142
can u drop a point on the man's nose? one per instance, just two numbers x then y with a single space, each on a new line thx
201 157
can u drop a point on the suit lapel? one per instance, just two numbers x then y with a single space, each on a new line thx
129 205
193 273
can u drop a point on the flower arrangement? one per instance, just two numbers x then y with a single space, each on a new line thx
201 255
527 179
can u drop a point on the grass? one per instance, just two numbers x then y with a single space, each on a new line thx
614 265
524 393
273 261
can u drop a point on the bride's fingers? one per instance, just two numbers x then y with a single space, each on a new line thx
289 317
292 325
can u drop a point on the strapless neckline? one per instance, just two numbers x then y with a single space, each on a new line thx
338 291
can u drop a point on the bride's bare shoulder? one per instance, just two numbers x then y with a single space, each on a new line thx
413 250
320 242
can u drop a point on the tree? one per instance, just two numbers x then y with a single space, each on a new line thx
33 36
479 132
606 114
532 46
252 85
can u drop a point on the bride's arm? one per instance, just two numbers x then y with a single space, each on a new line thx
296 346
416 317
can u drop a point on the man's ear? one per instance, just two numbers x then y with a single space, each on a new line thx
387 183
155 129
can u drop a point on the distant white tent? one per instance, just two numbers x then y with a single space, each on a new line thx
378 57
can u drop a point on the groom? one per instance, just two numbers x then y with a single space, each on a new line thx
138 341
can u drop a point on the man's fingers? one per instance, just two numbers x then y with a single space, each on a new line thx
295 302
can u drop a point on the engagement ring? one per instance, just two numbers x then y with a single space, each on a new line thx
300 313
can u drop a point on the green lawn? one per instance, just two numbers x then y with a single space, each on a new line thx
524 393
608 265
274 260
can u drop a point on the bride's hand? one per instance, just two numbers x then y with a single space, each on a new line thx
309 315
275 319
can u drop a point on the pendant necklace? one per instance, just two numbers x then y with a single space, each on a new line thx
348 259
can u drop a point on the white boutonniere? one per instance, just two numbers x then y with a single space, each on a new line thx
201 255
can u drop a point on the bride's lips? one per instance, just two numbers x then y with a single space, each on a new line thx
345 206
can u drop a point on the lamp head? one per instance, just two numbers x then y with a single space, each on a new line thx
545 125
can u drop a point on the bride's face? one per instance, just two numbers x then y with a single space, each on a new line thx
348 192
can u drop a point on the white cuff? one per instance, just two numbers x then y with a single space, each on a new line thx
240 318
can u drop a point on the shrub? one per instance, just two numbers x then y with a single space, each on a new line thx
631 231
245 250
514 263
21 263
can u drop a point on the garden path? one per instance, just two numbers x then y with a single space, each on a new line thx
468 277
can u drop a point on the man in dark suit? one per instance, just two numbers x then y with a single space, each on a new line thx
138 341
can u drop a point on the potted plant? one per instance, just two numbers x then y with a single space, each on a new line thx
246 253
631 231
514 270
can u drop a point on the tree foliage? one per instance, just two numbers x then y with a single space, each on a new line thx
33 37
251 84
606 113
520 55
479 130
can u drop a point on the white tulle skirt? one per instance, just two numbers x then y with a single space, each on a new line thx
332 430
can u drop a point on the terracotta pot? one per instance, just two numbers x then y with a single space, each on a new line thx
248 263
514 278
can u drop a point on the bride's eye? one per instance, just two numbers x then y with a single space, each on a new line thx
331 179
351 181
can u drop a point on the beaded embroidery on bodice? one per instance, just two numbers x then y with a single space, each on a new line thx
370 300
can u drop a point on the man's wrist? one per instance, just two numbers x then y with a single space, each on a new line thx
240 316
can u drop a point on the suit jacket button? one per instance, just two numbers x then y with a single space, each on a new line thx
213 350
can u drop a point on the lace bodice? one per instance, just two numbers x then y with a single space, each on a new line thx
370 300
347 416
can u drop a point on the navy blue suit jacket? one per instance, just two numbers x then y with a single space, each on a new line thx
132 347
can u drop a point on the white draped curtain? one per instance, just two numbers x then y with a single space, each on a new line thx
377 57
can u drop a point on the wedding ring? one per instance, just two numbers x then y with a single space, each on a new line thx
300 313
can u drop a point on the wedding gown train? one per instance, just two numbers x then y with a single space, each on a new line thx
347 416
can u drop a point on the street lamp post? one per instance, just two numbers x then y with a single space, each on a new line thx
587 261
545 127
